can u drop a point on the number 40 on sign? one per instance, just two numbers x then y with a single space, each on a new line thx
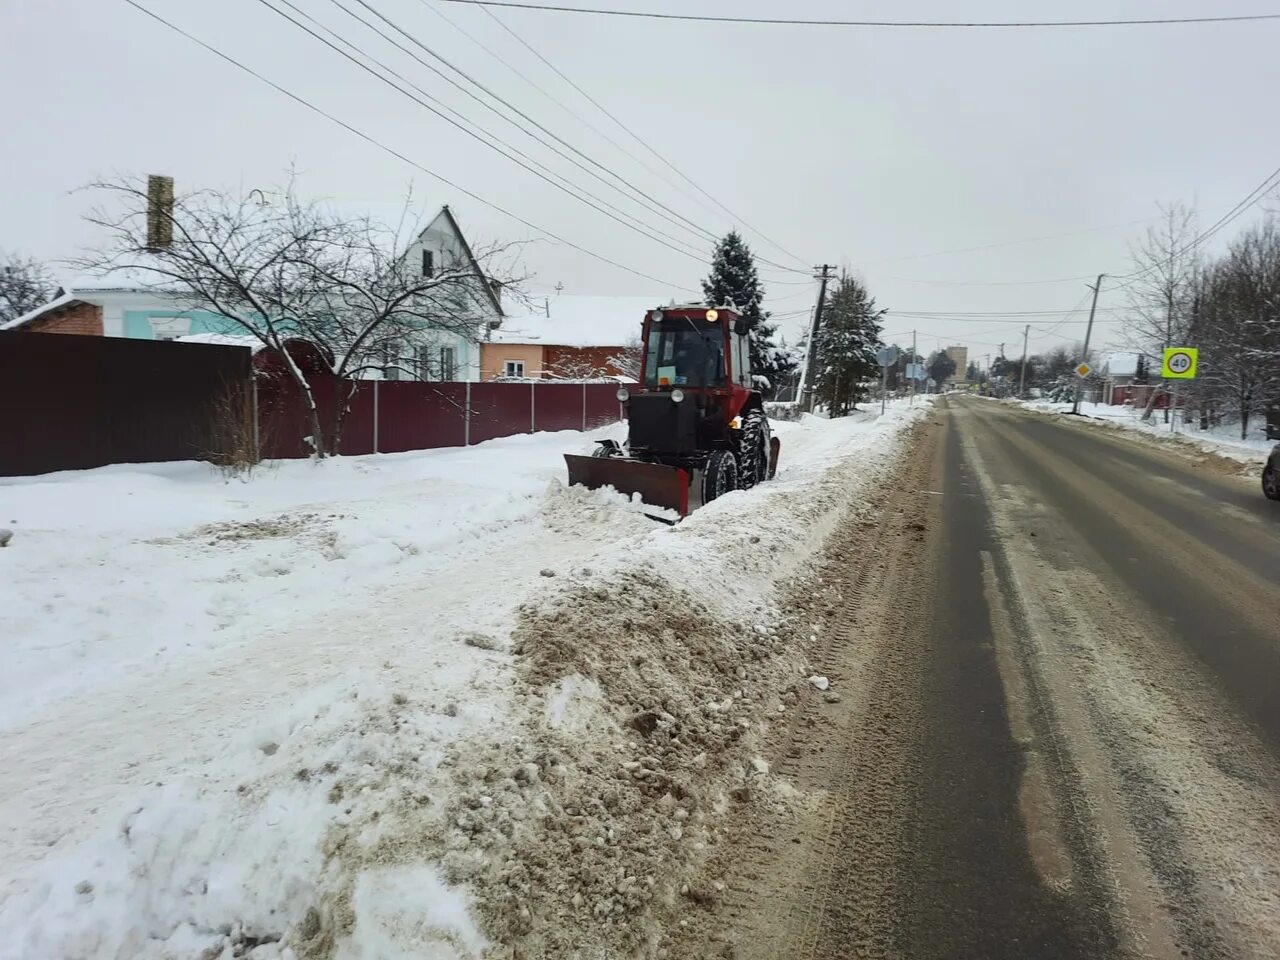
1180 363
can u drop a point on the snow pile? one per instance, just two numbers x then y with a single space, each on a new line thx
474 707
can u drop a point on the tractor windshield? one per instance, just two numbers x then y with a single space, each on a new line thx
684 353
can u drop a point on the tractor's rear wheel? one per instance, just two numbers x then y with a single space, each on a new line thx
753 447
720 475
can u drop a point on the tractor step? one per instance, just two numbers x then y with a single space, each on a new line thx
657 485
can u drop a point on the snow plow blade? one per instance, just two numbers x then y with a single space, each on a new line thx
658 485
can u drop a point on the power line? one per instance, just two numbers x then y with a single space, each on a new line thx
393 152
1251 198
561 104
651 204
1011 243
644 143
464 119
989 283
779 21
575 192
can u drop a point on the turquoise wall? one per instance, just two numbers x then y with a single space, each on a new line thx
137 323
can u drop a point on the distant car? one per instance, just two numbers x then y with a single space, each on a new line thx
1271 475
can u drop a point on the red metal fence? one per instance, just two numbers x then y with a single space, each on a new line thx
71 402
395 416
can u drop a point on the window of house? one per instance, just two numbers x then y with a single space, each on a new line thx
424 364
515 368
428 263
391 361
449 364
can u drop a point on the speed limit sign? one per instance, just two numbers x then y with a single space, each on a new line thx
1180 363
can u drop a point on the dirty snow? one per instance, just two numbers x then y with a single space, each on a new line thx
255 715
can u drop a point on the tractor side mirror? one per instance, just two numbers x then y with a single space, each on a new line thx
741 327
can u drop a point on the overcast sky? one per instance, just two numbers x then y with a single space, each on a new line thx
884 150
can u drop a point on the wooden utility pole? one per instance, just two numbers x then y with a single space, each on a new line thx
1022 377
806 378
913 362
1088 333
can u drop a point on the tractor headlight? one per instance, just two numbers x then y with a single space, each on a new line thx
677 395
623 394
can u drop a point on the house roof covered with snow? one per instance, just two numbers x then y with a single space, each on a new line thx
577 321
1122 364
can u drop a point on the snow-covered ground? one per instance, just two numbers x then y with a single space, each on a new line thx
1224 440
240 715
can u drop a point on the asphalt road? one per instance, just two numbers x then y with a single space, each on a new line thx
1059 734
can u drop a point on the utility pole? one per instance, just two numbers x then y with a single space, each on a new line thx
1088 333
913 363
806 378
1022 377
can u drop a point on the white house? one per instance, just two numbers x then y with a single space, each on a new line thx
127 305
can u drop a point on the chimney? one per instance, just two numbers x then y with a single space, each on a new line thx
159 212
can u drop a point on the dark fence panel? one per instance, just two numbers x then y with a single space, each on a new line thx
285 428
73 402
558 406
602 405
500 410
421 416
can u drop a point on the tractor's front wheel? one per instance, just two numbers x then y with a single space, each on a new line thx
720 475
753 447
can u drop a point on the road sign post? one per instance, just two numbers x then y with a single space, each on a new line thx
1180 363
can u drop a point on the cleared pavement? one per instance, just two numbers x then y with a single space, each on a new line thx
1057 734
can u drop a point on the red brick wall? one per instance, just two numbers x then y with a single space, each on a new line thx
80 318
571 361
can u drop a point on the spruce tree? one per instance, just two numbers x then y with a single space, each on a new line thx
847 344
734 282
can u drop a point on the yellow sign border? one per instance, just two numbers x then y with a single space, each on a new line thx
1170 352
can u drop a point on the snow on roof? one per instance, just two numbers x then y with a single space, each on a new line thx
1122 364
61 300
578 321
225 340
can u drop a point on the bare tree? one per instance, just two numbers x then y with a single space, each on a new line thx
25 284
627 361
1161 293
282 269
1237 324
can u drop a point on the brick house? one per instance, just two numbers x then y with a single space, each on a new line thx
571 337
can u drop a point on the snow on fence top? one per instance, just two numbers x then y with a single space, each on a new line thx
578 321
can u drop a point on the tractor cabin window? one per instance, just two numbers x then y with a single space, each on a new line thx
684 353
515 368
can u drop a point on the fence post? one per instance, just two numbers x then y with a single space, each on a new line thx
375 416
584 407
533 407
257 424
466 418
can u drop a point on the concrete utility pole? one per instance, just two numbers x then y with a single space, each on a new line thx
913 363
1022 377
806 378
1088 333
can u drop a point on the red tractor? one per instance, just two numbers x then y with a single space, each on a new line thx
696 425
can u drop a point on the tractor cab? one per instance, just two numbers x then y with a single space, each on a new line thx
695 348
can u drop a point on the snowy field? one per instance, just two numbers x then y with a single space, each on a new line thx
1224 440
239 716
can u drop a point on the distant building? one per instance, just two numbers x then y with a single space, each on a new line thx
569 338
